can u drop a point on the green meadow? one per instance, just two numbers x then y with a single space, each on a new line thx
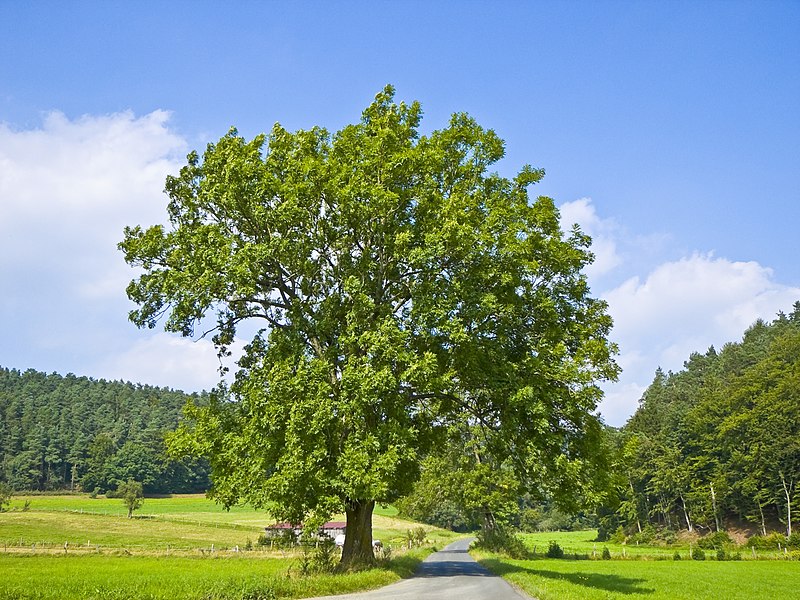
642 572
181 547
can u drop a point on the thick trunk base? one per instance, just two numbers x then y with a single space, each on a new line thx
357 550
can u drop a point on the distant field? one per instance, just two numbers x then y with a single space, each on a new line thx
165 552
550 579
178 522
582 543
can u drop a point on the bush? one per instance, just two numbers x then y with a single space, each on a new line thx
325 555
698 554
501 540
645 536
769 542
721 554
714 541
793 541
676 556
618 537
554 551
606 554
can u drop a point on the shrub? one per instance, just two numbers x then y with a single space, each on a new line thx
769 542
645 536
501 540
323 559
793 541
716 540
606 554
618 537
667 536
698 554
676 556
721 554
554 551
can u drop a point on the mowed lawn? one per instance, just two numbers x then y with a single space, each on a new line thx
550 579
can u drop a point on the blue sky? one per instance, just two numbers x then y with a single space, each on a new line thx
670 131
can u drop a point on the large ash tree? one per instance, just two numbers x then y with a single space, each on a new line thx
401 285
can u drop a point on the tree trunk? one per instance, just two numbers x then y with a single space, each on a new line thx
686 514
787 490
763 520
489 523
714 506
357 548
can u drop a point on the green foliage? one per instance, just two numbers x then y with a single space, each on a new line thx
499 539
606 553
554 550
773 541
415 537
698 553
68 432
132 495
676 556
719 440
716 540
400 285
722 555
6 492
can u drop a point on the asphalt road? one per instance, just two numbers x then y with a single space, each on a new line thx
449 573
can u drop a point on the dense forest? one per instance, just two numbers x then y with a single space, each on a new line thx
712 447
68 432
717 444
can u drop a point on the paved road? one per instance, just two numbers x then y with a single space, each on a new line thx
449 573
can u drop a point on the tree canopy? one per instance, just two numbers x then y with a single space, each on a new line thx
719 441
60 432
401 285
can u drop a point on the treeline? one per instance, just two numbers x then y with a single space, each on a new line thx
68 432
718 443
711 447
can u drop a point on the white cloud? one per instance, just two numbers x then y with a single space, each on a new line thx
602 231
682 307
170 361
67 189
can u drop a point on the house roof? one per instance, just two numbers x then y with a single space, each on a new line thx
328 525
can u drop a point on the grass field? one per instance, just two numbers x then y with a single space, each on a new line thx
73 546
103 577
550 579
583 544
181 522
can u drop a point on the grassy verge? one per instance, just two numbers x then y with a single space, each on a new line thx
103 577
652 579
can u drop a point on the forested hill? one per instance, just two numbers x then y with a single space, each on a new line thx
65 432
719 441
